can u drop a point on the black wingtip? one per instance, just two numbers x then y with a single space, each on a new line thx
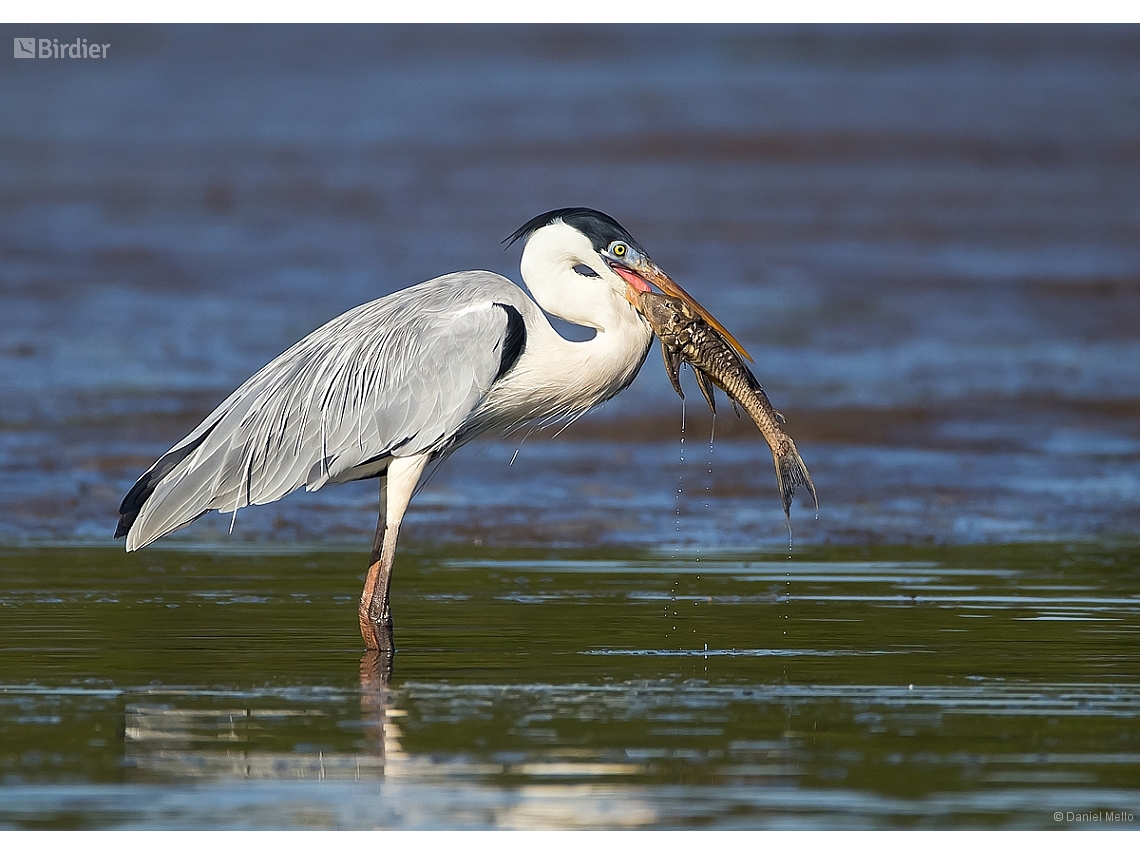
137 496
132 503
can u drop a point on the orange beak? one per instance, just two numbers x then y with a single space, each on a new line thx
650 274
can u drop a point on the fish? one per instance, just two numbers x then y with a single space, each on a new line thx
686 337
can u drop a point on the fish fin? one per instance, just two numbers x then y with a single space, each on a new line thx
791 472
706 388
735 408
780 417
673 368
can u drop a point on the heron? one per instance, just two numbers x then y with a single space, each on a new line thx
401 382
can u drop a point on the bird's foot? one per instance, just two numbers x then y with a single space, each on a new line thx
374 612
376 627
377 632
379 637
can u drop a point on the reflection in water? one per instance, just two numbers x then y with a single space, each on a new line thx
895 688
219 743
187 742
382 734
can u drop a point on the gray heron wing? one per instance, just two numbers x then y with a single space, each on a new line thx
399 376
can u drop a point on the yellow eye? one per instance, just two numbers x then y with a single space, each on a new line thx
618 249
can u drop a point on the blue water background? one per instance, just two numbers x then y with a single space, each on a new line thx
927 237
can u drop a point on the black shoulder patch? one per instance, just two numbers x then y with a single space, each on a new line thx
600 228
514 340
134 500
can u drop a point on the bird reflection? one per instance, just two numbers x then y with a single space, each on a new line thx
173 735
381 733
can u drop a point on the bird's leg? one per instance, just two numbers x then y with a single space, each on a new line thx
378 634
379 578
375 612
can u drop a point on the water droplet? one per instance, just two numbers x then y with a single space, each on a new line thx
712 438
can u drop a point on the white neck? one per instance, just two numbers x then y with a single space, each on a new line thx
555 377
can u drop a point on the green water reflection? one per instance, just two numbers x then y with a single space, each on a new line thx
876 687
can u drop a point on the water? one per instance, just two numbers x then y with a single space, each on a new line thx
901 687
927 237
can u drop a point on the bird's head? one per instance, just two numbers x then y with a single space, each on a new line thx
581 264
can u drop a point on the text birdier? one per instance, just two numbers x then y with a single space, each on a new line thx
30 48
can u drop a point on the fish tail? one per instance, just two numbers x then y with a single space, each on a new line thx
791 473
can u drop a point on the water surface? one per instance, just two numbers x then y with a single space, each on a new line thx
879 688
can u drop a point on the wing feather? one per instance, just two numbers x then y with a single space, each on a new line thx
395 377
